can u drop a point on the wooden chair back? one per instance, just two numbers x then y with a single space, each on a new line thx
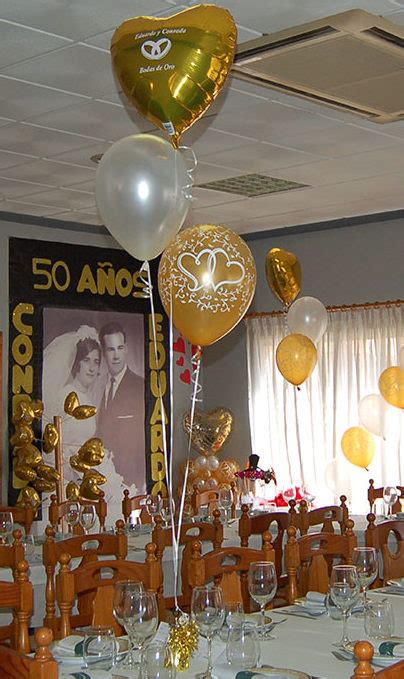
100 577
228 567
57 511
135 503
364 654
309 559
377 494
203 531
203 498
85 547
18 596
24 516
257 525
11 555
325 517
41 666
378 536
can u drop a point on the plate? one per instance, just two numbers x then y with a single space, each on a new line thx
273 672
66 658
379 660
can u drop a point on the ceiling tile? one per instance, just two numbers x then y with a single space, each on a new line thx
260 157
85 186
20 100
38 141
18 43
80 217
53 173
82 155
10 188
64 198
9 159
27 208
340 140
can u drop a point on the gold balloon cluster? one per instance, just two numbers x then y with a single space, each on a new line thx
28 463
182 641
90 455
210 431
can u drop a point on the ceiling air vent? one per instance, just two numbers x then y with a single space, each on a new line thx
352 61
251 185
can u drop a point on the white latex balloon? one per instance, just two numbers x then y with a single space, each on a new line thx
201 462
308 316
401 357
338 476
211 484
142 193
213 462
374 414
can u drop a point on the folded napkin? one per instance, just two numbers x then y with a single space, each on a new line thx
399 582
315 600
69 646
226 671
391 648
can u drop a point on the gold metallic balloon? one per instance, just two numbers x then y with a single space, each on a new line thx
210 274
72 491
28 496
358 446
296 358
38 408
89 486
50 438
84 412
173 68
391 385
91 452
225 473
25 472
44 486
28 454
23 413
71 402
22 434
284 274
78 464
45 471
209 431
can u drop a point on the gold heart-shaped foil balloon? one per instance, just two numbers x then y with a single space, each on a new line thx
28 454
25 472
84 412
50 438
24 413
284 275
44 486
28 496
210 430
173 68
91 452
45 471
71 403
72 491
22 434
78 464
38 408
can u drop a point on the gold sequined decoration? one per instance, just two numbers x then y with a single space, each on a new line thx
182 641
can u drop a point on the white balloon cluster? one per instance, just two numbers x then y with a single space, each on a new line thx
308 316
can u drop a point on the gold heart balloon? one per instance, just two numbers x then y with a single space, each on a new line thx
284 275
91 452
72 491
22 434
77 463
209 431
28 496
71 403
173 68
84 412
45 471
50 438
44 485
23 413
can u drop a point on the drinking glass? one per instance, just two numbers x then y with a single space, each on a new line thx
6 527
140 618
390 496
262 584
344 590
157 662
225 501
234 617
243 646
379 619
365 560
87 517
73 515
207 610
121 591
167 509
153 505
99 648
29 546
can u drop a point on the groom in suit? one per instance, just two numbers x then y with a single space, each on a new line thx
120 421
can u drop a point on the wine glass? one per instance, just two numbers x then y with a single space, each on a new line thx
344 590
262 584
167 509
140 618
72 515
243 647
158 662
121 591
390 496
153 505
87 517
365 560
225 501
29 546
6 527
99 648
207 610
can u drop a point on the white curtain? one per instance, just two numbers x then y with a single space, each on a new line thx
298 432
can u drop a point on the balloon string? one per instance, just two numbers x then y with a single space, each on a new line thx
148 287
195 361
187 189
175 537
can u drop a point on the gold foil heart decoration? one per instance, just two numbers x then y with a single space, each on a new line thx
84 412
50 438
71 403
72 491
91 452
173 68
210 430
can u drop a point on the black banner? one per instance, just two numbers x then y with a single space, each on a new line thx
80 321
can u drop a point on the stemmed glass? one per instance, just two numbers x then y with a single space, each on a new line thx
73 515
262 584
207 610
140 618
122 590
167 509
153 505
6 527
390 496
365 560
28 543
87 517
225 500
344 591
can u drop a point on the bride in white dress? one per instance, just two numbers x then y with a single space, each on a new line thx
72 362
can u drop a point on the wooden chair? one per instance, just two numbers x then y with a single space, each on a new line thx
135 503
11 555
85 547
24 516
377 494
57 511
203 498
303 519
42 666
378 536
100 577
256 525
204 531
364 653
228 567
18 596
309 559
